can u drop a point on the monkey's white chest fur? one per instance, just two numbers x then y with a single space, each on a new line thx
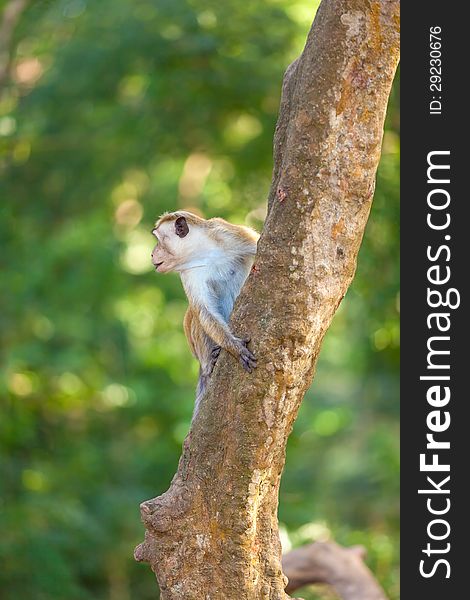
216 282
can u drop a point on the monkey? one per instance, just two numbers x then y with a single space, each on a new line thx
213 258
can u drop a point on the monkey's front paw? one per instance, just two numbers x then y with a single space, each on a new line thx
247 358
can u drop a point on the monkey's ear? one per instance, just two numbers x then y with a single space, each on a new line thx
181 227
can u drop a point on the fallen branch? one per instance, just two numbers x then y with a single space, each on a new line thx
328 563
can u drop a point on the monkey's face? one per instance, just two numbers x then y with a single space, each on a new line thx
173 249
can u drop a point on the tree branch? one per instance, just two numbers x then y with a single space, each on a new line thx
11 14
214 533
341 568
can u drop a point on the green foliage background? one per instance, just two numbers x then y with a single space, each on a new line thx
117 111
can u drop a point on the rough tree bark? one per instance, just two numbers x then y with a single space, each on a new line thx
214 533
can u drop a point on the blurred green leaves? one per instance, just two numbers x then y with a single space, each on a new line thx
116 112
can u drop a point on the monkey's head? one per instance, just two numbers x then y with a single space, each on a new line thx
181 241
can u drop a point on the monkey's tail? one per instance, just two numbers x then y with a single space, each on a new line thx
200 390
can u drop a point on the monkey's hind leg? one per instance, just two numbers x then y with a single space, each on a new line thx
214 356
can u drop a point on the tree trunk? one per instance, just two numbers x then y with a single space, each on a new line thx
214 533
